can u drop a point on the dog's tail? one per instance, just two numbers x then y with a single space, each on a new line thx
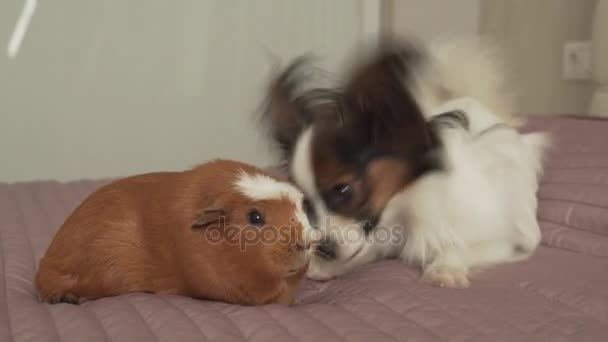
465 67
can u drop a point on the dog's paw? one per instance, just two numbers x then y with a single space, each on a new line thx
448 277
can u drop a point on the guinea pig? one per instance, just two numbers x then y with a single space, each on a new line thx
223 231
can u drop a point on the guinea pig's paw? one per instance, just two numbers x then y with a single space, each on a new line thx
286 298
445 276
67 298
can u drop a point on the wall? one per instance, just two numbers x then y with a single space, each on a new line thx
533 34
111 88
432 18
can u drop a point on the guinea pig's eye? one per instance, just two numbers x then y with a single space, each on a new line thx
338 195
255 217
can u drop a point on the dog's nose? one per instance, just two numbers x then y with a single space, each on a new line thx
301 246
326 249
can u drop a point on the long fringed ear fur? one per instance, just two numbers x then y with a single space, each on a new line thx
289 108
377 98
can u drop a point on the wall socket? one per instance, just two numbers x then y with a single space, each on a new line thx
576 61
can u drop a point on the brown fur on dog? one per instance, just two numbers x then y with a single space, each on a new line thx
180 233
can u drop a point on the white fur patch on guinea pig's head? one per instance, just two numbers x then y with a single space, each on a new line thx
260 187
264 188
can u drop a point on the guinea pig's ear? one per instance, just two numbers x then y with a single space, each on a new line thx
291 103
209 216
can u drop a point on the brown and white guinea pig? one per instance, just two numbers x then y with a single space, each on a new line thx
224 231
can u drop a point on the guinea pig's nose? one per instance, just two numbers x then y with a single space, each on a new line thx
326 249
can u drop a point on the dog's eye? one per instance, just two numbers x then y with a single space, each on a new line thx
342 191
255 217
339 195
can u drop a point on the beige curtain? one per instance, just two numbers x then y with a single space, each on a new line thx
599 101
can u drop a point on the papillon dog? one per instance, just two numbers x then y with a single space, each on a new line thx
415 156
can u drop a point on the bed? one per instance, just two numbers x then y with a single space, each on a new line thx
560 294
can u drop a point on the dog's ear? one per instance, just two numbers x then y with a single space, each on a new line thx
289 107
379 103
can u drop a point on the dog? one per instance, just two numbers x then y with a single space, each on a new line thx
416 156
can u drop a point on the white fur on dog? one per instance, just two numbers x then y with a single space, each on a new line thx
301 166
482 211
461 68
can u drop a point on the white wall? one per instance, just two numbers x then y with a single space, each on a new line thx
428 19
110 88
533 33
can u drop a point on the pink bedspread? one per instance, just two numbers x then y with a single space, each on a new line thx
561 294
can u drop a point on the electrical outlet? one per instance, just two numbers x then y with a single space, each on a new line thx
576 61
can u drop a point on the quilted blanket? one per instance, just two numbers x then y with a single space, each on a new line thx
560 294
